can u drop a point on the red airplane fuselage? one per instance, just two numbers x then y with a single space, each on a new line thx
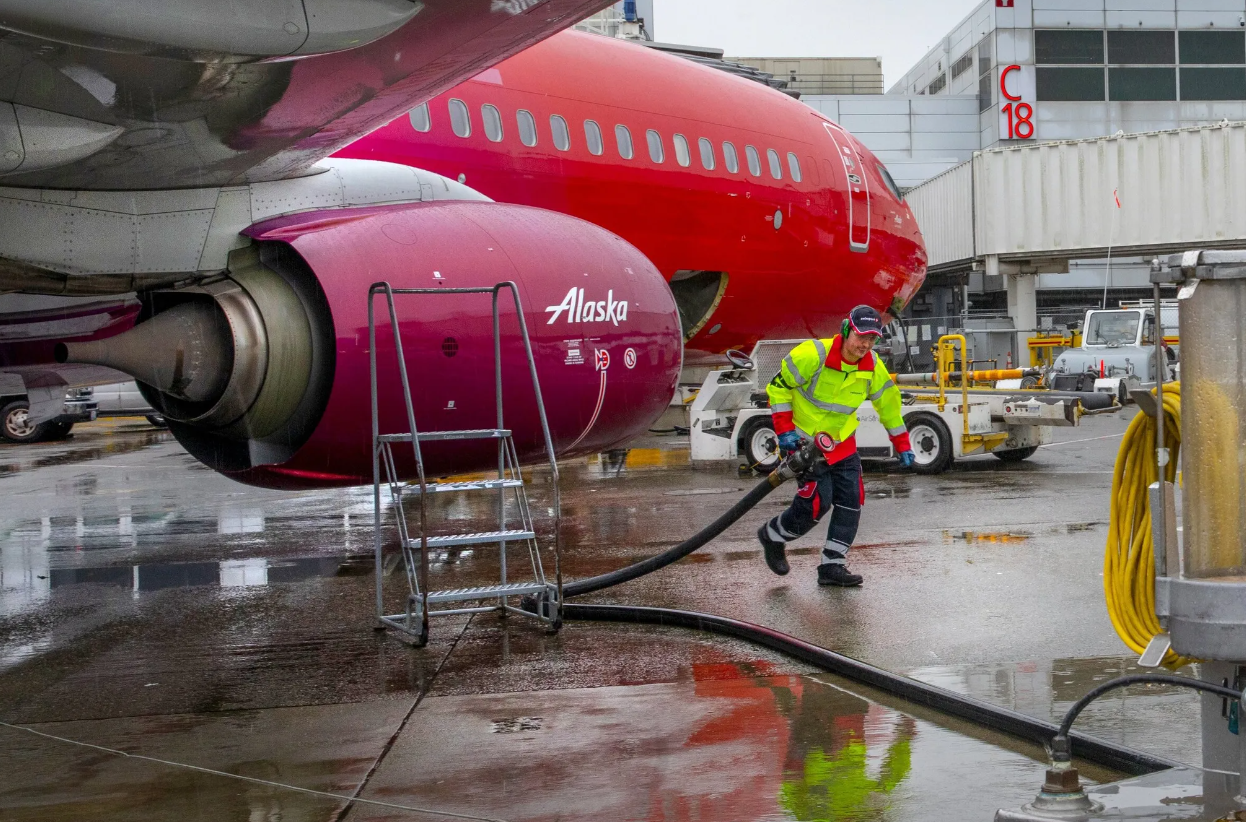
768 219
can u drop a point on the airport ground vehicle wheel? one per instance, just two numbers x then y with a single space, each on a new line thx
15 424
1016 454
58 430
932 443
758 443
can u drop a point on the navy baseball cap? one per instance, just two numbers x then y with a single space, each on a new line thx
865 320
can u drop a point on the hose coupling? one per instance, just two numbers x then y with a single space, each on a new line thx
795 464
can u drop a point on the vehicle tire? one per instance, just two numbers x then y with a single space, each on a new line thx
157 420
932 443
1016 454
759 444
15 425
58 430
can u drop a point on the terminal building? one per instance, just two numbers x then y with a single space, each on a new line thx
1020 72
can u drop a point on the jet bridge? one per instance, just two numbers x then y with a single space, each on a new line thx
1029 209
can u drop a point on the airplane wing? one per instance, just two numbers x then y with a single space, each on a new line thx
132 95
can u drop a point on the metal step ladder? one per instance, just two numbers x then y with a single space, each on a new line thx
515 523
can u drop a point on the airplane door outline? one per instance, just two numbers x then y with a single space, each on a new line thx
858 190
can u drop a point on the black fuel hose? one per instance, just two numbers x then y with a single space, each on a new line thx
1018 725
1117 757
683 549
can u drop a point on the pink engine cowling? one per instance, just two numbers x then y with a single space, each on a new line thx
603 324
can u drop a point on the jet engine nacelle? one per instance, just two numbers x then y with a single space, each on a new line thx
264 373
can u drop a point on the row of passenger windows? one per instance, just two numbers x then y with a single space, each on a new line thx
560 133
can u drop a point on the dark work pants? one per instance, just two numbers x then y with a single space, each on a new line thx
837 488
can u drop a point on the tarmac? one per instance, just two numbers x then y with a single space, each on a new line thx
173 618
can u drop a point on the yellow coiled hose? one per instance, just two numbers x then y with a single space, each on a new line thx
1129 563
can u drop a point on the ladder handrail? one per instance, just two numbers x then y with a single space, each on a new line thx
494 291
415 444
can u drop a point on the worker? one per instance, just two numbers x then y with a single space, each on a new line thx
815 396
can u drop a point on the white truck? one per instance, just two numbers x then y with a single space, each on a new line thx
1117 353
730 418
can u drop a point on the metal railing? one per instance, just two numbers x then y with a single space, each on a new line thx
508 459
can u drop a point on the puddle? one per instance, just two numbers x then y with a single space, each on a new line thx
1161 719
242 573
24 459
738 742
986 536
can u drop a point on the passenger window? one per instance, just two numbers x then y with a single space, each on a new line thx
420 121
793 166
592 133
776 168
730 158
527 127
493 122
460 118
562 135
624 138
682 156
707 153
655 146
754 161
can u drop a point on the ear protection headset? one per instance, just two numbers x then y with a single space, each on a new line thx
845 328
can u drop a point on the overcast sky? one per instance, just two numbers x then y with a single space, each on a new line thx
898 31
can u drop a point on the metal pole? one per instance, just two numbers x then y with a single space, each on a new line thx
419 457
497 375
1161 365
549 440
376 466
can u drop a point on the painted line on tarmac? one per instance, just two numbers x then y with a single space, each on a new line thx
1087 439
251 779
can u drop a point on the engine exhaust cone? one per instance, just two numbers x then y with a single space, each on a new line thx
186 352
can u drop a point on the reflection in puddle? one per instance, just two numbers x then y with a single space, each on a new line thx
24 457
986 536
243 573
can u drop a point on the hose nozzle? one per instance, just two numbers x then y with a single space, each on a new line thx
795 464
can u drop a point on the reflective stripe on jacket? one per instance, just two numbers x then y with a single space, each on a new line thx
816 391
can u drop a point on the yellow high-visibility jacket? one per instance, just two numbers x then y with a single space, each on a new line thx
815 391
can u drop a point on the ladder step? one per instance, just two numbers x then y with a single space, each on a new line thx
466 434
477 485
486 592
481 538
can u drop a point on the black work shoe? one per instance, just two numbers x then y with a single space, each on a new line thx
775 556
837 574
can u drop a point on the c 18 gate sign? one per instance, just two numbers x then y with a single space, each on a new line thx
1016 103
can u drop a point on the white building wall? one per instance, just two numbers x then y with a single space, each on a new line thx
916 137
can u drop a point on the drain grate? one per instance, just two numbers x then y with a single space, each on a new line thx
515 725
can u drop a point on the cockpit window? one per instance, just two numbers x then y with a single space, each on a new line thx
891 184
1112 328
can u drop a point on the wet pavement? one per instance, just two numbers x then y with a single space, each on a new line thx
150 606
